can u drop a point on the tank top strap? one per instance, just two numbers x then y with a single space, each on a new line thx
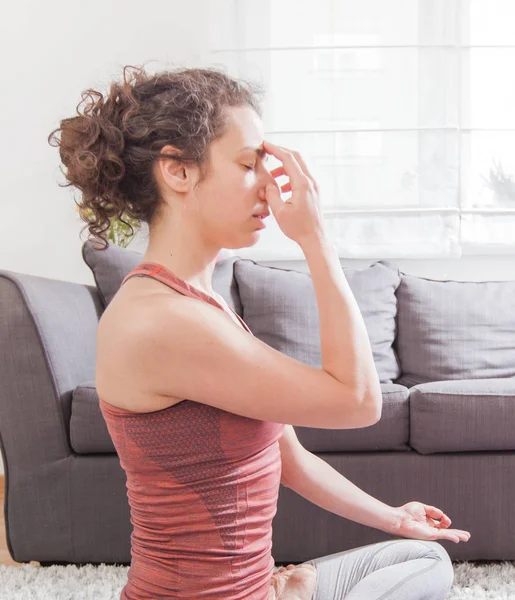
164 275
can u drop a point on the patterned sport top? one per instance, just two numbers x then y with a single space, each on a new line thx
202 485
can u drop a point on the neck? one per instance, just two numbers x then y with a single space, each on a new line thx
185 254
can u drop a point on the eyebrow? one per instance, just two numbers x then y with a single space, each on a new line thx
261 152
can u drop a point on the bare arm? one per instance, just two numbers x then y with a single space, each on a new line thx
345 345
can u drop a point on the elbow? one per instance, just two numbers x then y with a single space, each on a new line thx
376 417
374 410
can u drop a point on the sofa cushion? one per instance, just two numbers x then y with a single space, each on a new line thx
474 415
280 307
455 329
88 429
391 432
89 433
110 267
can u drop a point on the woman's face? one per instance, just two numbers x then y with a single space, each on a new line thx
234 188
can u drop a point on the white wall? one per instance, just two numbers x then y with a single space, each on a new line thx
52 52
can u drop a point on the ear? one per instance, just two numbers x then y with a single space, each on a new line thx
175 174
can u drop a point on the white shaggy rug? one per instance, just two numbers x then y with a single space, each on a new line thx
472 581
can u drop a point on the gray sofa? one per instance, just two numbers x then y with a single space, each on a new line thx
444 353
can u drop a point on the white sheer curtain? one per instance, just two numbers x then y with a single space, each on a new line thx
404 111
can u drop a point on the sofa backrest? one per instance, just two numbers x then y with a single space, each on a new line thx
420 329
280 307
455 329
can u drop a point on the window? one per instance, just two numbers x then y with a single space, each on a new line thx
404 111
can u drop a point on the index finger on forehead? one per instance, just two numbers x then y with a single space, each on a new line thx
291 166
301 162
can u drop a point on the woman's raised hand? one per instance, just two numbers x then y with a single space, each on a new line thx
299 216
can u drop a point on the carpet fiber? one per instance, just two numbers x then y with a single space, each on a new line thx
493 581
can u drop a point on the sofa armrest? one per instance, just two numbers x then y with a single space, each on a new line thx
47 347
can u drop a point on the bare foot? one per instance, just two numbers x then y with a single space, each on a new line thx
294 582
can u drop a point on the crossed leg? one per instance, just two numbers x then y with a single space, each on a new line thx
392 570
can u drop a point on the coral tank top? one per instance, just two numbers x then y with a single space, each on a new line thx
202 485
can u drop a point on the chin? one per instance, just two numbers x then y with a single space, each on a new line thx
235 245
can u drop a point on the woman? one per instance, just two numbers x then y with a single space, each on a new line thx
201 411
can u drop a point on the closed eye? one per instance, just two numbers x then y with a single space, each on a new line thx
254 166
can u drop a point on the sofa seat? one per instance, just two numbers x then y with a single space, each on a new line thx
88 429
89 434
470 415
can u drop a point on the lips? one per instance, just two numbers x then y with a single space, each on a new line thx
262 215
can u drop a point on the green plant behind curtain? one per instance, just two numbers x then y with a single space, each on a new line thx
118 233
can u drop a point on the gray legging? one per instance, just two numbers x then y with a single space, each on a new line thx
402 569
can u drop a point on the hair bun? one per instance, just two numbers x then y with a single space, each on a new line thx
110 147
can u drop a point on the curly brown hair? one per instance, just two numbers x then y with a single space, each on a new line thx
109 149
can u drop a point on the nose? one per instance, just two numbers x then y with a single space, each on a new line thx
266 179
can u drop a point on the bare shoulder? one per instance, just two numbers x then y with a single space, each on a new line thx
158 347
117 382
